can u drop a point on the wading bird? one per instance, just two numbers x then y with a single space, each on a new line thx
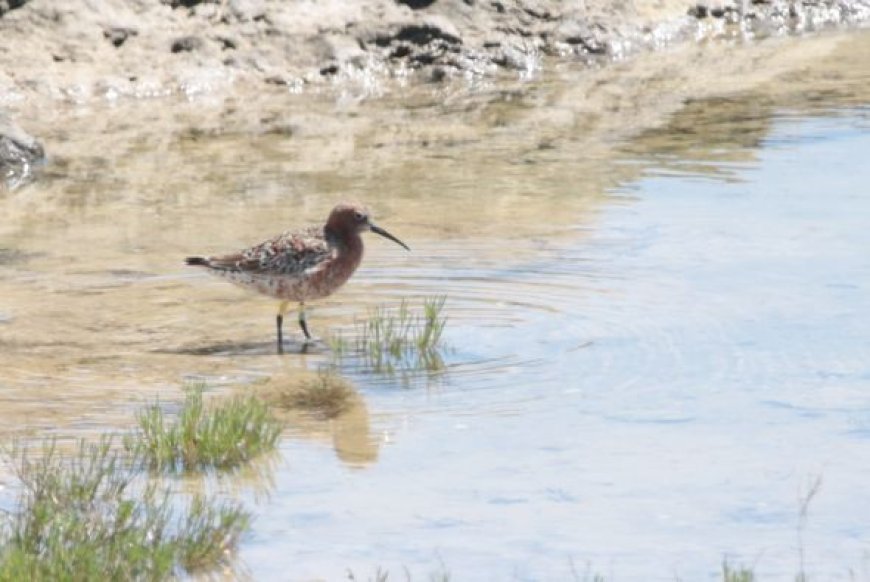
302 265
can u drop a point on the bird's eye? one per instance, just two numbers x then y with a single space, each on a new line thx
359 216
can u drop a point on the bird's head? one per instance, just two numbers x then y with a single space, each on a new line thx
355 218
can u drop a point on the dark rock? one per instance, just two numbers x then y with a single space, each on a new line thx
227 43
421 34
118 35
19 154
427 41
424 58
539 14
276 80
7 5
581 36
400 52
416 4
188 3
186 44
699 11
438 74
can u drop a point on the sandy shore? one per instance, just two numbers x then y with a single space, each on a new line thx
88 56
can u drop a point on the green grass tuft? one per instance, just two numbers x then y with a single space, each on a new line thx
222 436
391 341
94 517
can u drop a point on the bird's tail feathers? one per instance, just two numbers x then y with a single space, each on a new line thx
197 261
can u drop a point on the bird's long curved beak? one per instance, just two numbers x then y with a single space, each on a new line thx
385 234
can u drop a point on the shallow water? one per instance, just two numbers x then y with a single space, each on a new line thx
653 344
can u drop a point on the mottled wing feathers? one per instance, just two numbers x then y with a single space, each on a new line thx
291 254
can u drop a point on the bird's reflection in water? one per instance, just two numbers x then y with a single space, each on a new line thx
347 428
351 435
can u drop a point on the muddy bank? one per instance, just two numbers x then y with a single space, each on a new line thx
58 57
79 50
229 55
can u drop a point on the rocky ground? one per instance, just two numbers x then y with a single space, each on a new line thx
92 53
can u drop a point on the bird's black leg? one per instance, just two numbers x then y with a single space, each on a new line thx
302 322
282 309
